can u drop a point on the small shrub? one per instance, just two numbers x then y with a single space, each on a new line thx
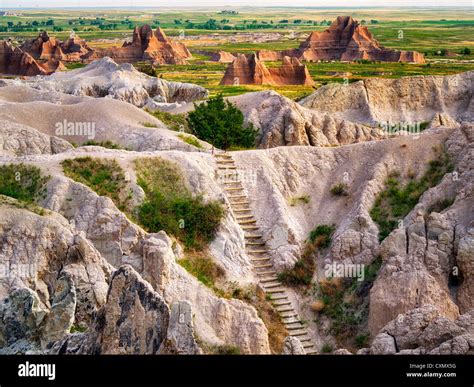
305 199
340 189
362 340
78 329
326 348
22 182
169 205
321 236
221 123
301 274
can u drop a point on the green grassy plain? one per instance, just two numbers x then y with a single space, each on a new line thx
427 30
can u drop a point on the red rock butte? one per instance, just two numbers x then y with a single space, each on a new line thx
148 45
249 70
42 55
344 40
14 61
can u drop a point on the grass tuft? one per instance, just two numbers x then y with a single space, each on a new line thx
301 274
397 200
340 189
104 176
22 182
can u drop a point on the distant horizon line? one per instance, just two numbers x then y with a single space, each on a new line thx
240 6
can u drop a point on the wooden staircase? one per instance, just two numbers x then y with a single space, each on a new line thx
255 246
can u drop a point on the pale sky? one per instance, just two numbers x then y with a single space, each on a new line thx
223 3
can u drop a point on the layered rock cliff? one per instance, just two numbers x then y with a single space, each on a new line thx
344 40
249 70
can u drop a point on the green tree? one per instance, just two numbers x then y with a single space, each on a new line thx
221 123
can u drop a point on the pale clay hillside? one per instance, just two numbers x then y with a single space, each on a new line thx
102 284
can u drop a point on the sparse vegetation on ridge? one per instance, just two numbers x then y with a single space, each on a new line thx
190 140
204 269
148 125
171 207
22 182
346 304
175 122
304 199
254 296
397 200
301 274
104 176
104 144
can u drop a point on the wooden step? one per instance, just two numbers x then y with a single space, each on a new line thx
228 167
255 243
249 227
229 161
223 155
308 345
266 272
269 279
247 221
254 236
285 309
276 298
276 291
243 210
296 334
271 285
294 320
300 326
233 189
281 303
244 216
257 251
260 259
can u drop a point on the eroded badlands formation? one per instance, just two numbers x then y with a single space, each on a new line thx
97 270
45 55
344 40
42 55
249 70
148 45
